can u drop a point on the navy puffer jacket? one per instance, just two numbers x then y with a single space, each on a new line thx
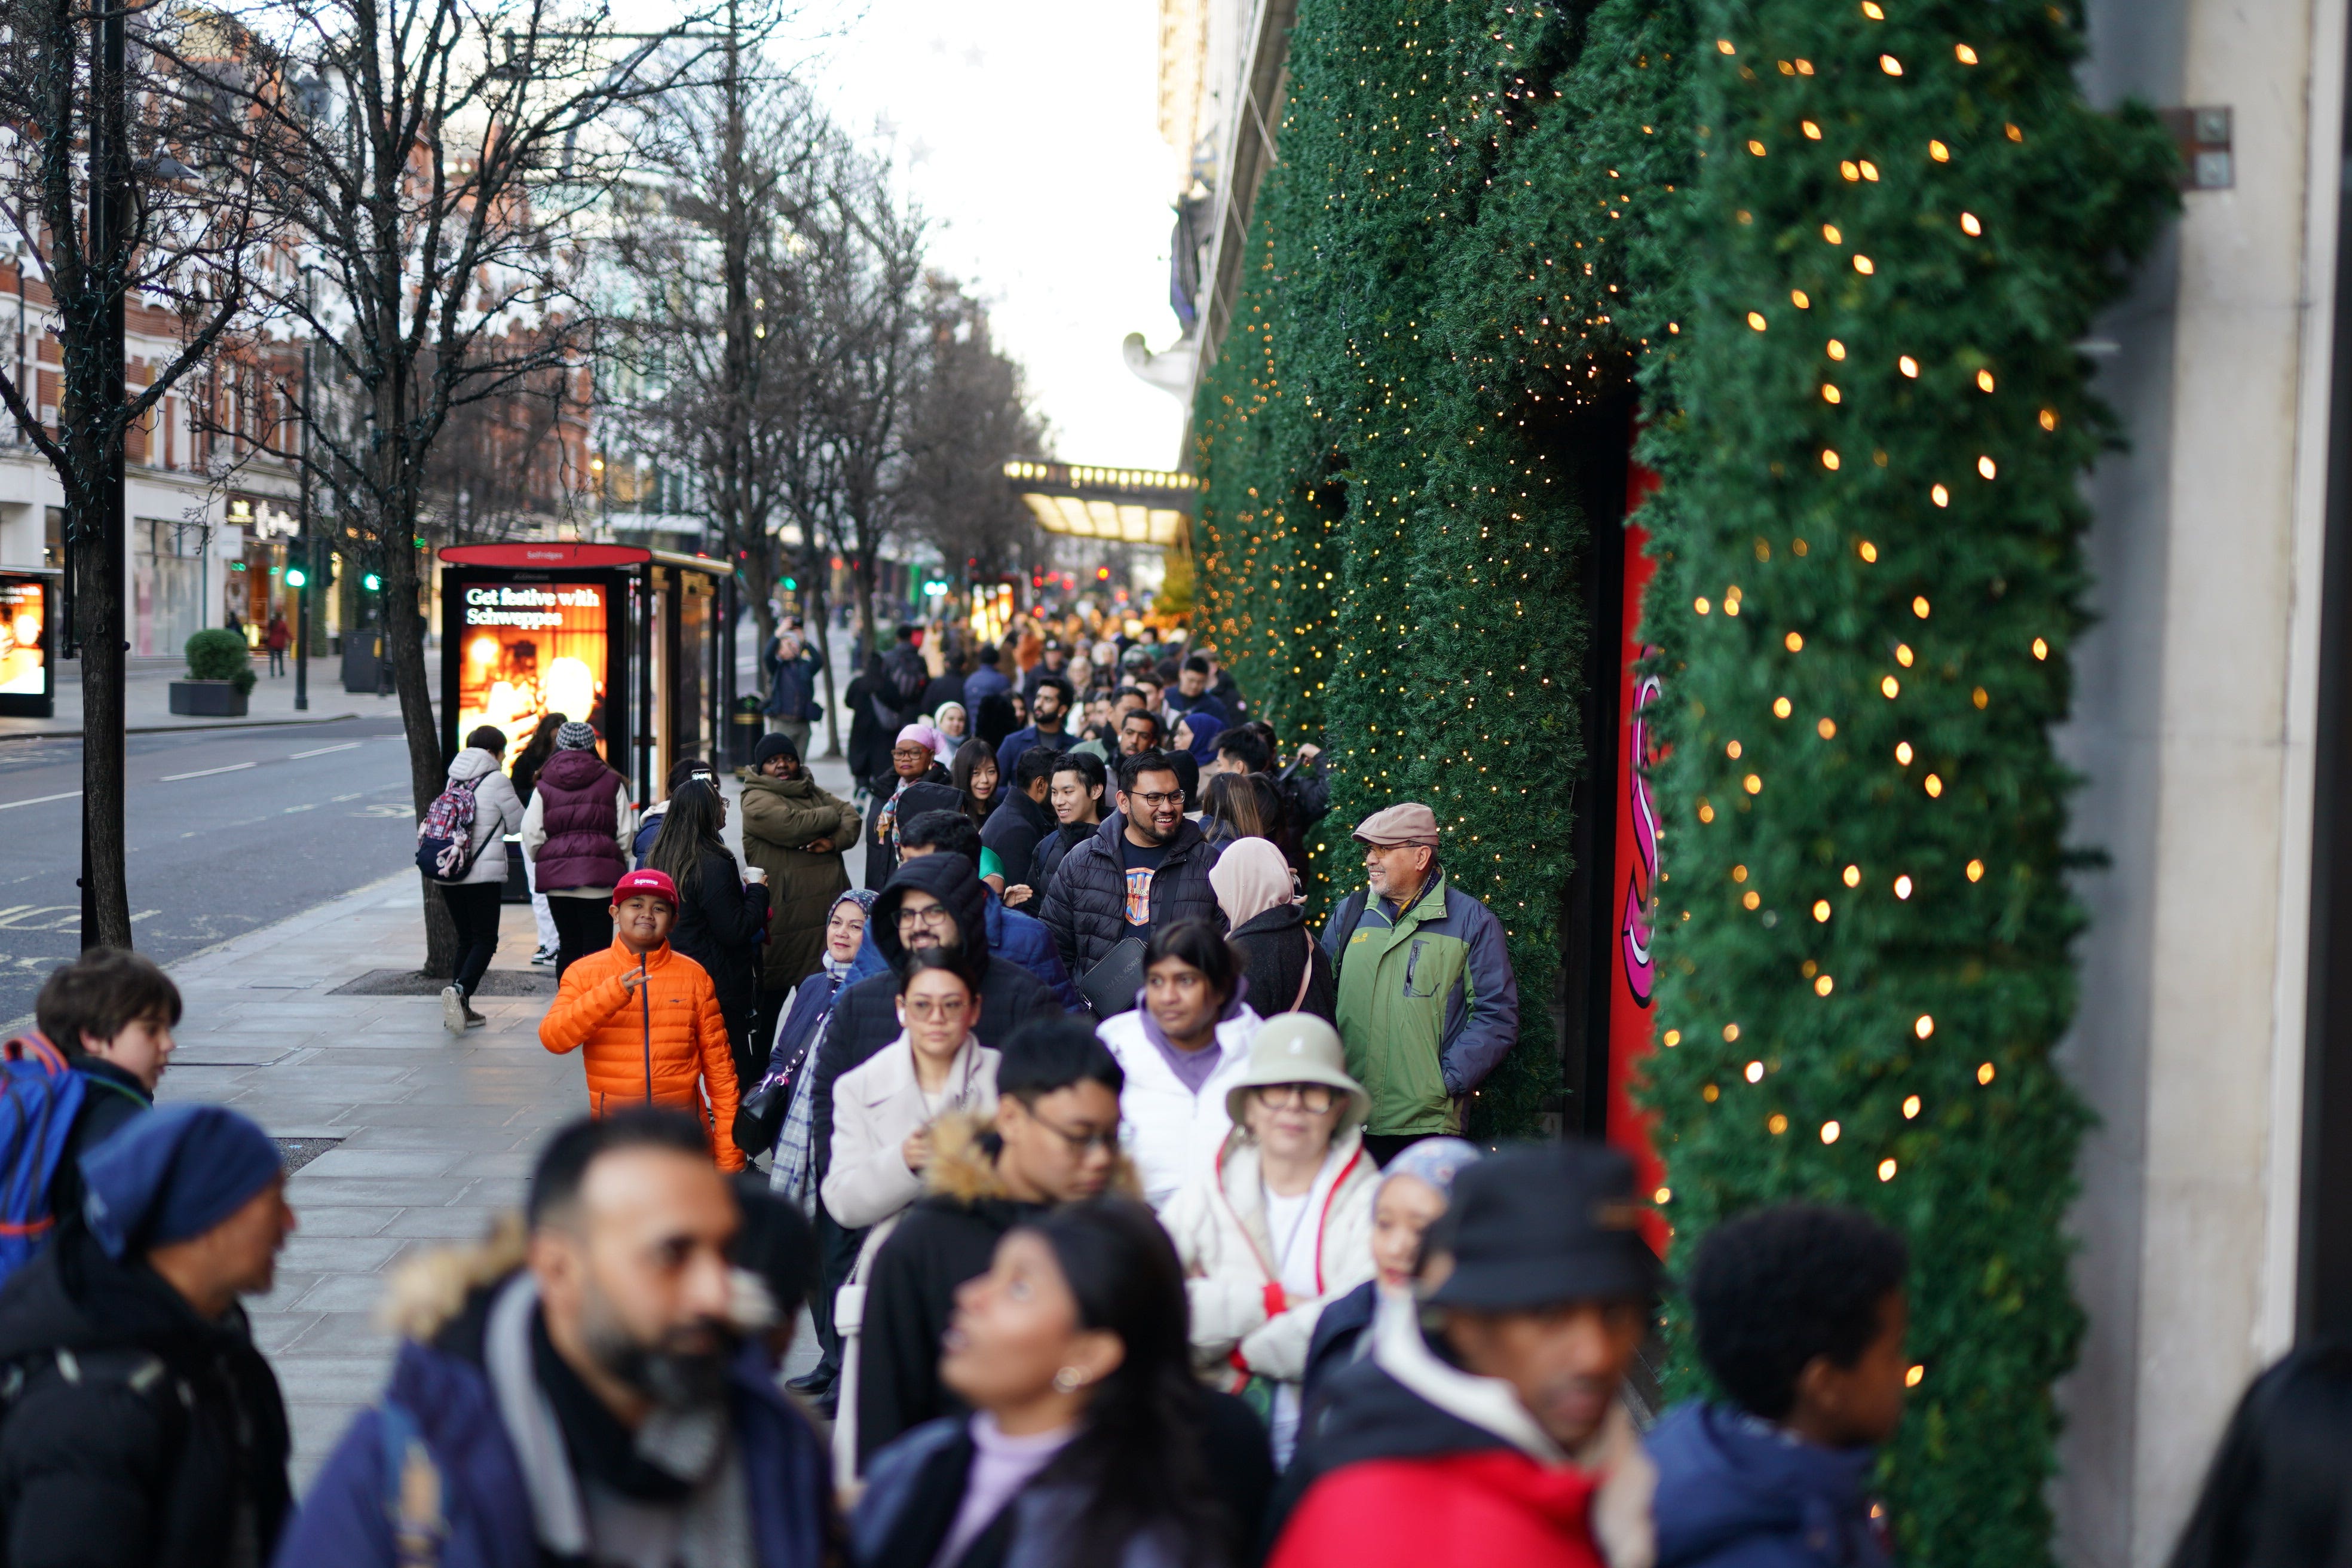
1086 908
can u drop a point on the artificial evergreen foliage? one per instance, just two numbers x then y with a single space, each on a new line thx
1491 222
1871 427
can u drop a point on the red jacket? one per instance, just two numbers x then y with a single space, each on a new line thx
1482 1508
663 1044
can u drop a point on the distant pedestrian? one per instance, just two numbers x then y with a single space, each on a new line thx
276 639
581 1389
2275 1496
1800 1316
1053 1139
792 674
1236 806
111 1014
906 676
650 821
1278 1224
914 762
1502 1439
1288 970
473 900
1145 868
797 834
1182 1049
883 1110
722 909
646 1021
1075 793
1016 938
1427 1001
1413 1191
576 831
147 1429
873 715
1084 1446
953 721
1052 664
973 775
1024 818
988 681
1050 704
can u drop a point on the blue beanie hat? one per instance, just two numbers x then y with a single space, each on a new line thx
1436 1161
174 1172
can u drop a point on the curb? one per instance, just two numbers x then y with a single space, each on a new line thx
179 729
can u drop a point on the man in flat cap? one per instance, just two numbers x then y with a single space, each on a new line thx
1428 1005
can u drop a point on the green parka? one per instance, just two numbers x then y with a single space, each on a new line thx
781 816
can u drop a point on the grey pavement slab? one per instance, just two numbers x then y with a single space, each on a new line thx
437 1133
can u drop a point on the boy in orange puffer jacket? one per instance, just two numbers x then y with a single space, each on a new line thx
648 1018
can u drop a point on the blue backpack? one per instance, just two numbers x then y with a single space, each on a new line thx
41 1096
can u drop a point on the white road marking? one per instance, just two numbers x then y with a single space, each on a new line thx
38 800
208 772
322 751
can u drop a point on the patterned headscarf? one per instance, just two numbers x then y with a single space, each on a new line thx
1436 1161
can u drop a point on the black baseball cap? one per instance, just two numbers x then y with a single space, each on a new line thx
1543 1225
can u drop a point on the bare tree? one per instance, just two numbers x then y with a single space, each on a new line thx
176 237
442 160
969 413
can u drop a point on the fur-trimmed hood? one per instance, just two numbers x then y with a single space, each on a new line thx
432 1290
963 1165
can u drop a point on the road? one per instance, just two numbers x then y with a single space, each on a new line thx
227 830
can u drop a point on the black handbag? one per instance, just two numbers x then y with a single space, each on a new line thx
1109 987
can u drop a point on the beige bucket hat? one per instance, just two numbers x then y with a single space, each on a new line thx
1298 1047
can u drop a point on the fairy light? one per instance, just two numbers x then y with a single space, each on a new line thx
2041 649
1908 366
1752 784
1866 550
1829 459
1902 655
1781 708
1710 1094
1939 495
1864 265
1903 752
1731 750
1889 688
1823 985
1830 393
1934 786
1794 642
2048 418
1890 64
1829 1130
1756 319
1754 1072
1800 299
1976 871
1903 886
1887 1170
1820 911
1852 877
1984 1073
1913 1378
1969 225
1776 1124
1987 468
1671 1038
1923 1026
1938 152
1826 729
1964 55
1730 1035
1910 1107
1919 605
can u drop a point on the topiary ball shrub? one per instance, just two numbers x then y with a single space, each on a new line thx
219 654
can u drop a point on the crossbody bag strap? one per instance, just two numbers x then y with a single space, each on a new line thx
1306 976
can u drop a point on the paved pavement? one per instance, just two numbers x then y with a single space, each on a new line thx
432 1135
146 696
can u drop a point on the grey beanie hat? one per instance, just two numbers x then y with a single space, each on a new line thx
574 736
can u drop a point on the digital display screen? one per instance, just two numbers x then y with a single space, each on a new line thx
23 622
530 649
992 608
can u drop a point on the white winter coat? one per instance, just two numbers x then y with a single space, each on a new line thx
498 811
875 1105
1219 1224
1172 1133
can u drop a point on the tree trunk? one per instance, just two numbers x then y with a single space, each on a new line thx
98 608
822 620
404 643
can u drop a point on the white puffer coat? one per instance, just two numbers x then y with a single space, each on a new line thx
1219 1224
498 811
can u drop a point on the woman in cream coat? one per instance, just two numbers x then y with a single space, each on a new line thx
883 1108
1281 1225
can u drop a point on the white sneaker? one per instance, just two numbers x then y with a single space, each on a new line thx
545 955
453 1009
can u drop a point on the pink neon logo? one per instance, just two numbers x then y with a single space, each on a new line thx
1635 931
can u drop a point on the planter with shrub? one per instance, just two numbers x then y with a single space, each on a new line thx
220 674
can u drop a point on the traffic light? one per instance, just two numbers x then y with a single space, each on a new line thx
791 585
296 576
372 583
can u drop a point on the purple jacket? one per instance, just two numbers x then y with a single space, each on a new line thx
577 792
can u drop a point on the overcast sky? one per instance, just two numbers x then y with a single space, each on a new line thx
1027 130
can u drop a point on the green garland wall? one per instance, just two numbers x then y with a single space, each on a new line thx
1491 224
1870 576
1427 374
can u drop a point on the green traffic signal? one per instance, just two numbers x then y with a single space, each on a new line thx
296 576
371 581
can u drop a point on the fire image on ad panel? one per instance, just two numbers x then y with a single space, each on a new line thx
531 650
24 615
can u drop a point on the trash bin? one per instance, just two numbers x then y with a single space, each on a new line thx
743 731
362 661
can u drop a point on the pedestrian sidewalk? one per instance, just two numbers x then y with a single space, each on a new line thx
403 1137
147 699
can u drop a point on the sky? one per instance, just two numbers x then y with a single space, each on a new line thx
1028 130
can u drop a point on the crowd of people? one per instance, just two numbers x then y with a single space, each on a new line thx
1132 1219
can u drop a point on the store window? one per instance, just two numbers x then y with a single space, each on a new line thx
167 584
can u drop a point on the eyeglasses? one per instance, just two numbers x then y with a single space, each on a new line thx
1314 1098
910 751
1156 801
938 1007
1080 1144
935 916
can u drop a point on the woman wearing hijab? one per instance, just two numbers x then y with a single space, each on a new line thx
1197 733
954 725
1288 970
796 1040
1412 1194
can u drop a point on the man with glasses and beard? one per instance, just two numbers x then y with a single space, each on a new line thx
581 1389
1143 870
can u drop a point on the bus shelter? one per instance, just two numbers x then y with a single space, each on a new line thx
639 643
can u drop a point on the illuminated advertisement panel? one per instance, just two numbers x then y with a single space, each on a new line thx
529 649
27 605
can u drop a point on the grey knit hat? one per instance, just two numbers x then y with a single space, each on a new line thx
574 736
